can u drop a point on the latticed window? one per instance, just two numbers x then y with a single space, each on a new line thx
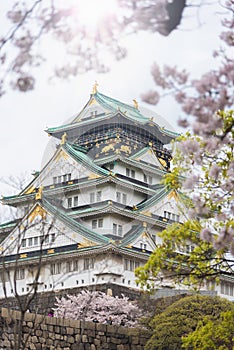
94 224
114 229
55 269
75 203
20 274
69 202
99 196
118 197
88 263
69 266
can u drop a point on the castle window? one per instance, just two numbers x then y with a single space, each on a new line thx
75 265
88 263
171 216
143 246
133 174
99 196
52 237
94 224
148 179
124 198
69 266
127 172
231 290
75 201
120 230
35 240
23 244
55 180
69 202
97 223
114 229
20 274
55 269
30 241
118 197
130 265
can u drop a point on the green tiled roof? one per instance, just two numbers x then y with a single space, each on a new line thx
84 159
113 106
76 226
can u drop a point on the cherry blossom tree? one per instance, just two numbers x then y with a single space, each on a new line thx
84 37
204 157
99 307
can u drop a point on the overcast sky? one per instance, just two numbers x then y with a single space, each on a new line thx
24 117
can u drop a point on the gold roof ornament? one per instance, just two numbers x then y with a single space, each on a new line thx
39 193
135 103
64 138
95 88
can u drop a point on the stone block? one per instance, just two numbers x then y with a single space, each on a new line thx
70 340
100 327
34 339
115 340
78 338
70 330
84 338
120 347
97 342
90 333
38 332
75 323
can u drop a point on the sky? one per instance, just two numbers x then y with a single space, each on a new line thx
25 116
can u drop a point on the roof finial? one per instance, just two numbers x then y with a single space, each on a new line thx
135 103
39 193
63 139
95 88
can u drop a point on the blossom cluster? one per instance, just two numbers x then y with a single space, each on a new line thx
99 307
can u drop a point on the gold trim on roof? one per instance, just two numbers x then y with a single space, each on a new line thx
174 195
63 139
163 162
85 243
39 193
135 103
60 155
147 213
93 176
95 88
30 190
38 211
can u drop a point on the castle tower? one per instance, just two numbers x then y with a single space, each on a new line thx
92 214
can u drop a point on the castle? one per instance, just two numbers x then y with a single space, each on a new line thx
92 214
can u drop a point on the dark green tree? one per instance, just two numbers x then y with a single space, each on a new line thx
181 318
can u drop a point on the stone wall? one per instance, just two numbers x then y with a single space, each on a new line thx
51 333
43 302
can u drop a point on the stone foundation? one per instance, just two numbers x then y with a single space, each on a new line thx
51 333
